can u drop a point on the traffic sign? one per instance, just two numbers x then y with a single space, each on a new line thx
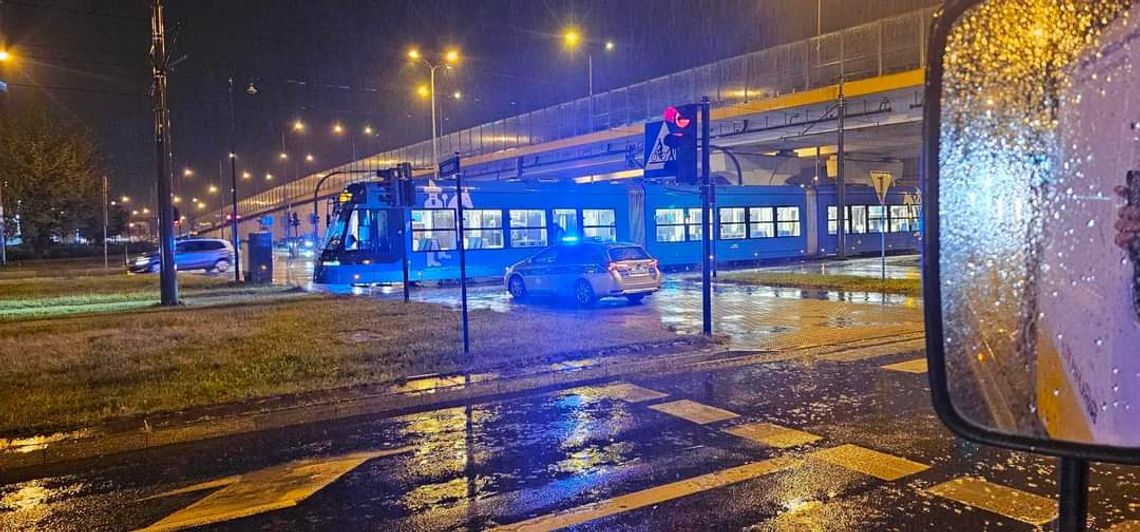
881 181
671 144
449 167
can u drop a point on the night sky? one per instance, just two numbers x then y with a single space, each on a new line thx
331 61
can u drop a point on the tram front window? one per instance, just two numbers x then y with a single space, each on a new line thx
359 235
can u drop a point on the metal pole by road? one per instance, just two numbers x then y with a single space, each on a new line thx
106 263
434 131
462 255
4 228
1074 500
706 220
233 190
168 280
840 183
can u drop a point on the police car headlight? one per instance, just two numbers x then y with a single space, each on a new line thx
142 261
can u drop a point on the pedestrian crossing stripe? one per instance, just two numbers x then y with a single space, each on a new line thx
693 411
619 391
1002 500
917 365
773 435
869 462
653 496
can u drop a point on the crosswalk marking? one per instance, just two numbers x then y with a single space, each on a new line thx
869 462
263 491
773 435
864 353
620 391
917 365
653 496
1002 500
693 411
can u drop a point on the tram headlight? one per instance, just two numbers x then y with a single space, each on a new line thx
330 263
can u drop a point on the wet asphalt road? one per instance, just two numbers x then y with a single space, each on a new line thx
605 456
507 461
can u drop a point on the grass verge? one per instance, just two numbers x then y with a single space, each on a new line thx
846 283
69 372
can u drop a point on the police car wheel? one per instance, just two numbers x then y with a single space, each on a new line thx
583 293
516 287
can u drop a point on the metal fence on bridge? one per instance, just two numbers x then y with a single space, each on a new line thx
886 46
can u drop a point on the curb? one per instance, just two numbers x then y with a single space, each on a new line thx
97 445
406 402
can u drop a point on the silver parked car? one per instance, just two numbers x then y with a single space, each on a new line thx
586 271
210 254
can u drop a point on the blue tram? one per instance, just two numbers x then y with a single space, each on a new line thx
505 222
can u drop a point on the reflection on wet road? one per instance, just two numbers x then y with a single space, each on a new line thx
803 444
747 315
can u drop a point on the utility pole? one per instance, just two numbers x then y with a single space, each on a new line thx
233 189
106 263
3 229
168 280
840 182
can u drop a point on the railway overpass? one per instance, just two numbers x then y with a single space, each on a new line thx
775 120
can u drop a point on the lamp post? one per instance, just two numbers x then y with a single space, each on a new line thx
450 58
572 40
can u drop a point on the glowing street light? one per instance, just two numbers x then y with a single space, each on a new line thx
337 128
284 156
367 130
309 158
269 177
177 200
298 125
125 199
571 37
246 175
145 210
457 95
213 189
186 172
609 46
5 56
450 58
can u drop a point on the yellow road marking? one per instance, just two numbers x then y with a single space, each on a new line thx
1125 526
620 391
263 491
1002 500
773 435
652 496
917 365
694 411
869 462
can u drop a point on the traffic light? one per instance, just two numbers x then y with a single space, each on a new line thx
295 221
407 187
681 122
388 185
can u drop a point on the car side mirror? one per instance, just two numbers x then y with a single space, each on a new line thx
1032 224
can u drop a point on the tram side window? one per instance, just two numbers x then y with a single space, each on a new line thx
565 223
761 222
833 219
670 225
733 225
901 219
876 218
433 230
787 221
359 232
694 223
483 229
528 228
857 221
600 224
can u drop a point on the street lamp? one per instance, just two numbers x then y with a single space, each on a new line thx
246 175
450 58
125 199
269 177
571 40
186 172
309 158
5 56
298 126
213 189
